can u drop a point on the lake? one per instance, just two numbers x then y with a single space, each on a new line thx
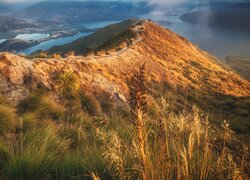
95 25
217 41
54 42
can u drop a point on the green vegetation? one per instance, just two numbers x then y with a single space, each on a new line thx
41 139
7 116
67 84
90 104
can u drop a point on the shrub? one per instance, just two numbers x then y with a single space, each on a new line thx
67 84
90 104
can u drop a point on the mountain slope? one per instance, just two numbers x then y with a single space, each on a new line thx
175 68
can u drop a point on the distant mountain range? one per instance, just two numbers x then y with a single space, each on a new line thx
9 8
235 16
11 23
88 11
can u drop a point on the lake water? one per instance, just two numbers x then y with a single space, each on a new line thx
30 37
95 25
54 42
217 41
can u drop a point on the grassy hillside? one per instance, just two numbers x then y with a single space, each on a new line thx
143 104
76 138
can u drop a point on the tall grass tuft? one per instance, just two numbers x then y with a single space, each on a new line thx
42 106
90 104
67 84
36 154
8 117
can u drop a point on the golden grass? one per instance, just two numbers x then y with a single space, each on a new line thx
163 146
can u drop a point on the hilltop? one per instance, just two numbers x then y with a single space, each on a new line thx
175 69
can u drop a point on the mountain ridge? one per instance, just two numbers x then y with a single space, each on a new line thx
174 67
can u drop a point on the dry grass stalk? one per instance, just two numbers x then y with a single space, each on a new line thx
138 103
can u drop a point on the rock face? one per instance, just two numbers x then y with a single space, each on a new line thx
172 65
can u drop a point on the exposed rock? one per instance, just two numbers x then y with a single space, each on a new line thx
16 76
16 95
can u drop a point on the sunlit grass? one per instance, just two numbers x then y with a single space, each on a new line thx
78 146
